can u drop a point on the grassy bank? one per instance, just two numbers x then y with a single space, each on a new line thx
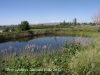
23 34
69 30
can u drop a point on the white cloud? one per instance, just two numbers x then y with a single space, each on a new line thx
36 22
58 21
52 21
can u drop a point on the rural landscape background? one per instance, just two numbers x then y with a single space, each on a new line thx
49 37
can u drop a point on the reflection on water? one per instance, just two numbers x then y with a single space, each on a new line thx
38 44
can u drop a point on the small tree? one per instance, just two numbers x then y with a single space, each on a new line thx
78 24
12 29
23 26
90 23
96 17
60 23
6 29
70 23
75 21
64 23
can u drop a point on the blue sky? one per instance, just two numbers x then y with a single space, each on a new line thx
41 11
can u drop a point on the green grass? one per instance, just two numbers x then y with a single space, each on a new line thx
86 62
42 27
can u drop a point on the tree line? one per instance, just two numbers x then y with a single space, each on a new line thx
76 23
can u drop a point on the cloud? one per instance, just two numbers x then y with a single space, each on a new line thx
58 21
37 22
53 21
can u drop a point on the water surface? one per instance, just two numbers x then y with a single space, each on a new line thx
38 44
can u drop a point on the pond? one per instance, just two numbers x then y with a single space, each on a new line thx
38 44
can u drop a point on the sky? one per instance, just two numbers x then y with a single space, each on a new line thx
44 11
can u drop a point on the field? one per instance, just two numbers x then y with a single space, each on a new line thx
72 59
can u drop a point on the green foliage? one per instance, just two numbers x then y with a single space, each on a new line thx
12 29
64 22
23 26
75 21
60 23
78 24
6 29
72 59
86 62
42 26
71 47
57 62
84 23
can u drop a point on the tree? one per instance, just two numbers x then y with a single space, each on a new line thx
93 23
78 24
67 23
6 29
90 23
75 21
70 23
64 22
85 23
96 17
23 26
60 23
12 29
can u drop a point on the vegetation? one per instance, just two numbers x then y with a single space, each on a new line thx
73 58
6 29
23 26
85 30
42 26
44 60
75 21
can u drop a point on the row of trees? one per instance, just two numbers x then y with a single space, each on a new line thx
76 23
95 17
69 23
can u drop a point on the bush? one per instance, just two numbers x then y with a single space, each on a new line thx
12 29
86 62
23 26
6 29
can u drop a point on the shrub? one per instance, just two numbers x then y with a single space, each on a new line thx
12 29
23 26
6 29
86 62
